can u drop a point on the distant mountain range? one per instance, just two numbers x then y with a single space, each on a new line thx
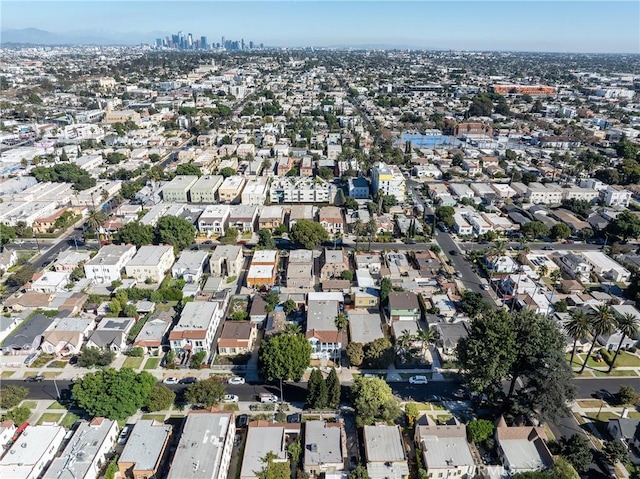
35 36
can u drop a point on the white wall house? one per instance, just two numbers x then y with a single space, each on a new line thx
108 264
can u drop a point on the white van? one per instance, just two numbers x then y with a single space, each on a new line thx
268 398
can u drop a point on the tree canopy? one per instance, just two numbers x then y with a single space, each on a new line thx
175 231
65 173
206 393
135 233
284 356
188 169
113 394
626 225
373 400
308 234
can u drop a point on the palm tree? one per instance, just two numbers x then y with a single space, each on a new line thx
543 270
341 321
430 336
372 228
555 275
357 230
602 322
291 328
578 328
629 326
405 340
499 248
95 218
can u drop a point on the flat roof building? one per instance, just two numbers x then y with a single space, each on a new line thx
29 455
177 190
145 450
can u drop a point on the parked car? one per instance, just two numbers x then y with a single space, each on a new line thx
268 398
294 418
458 274
418 380
34 379
242 420
170 381
236 380
433 399
453 252
461 394
604 395
123 435
188 380
547 248
230 398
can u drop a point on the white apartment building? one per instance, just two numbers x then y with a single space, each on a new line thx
389 180
151 262
190 266
205 190
301 190
543 194
616 195
578 193
255 192
29 455
461 226
108 264
214 220
479 224
605 268
503 190
196 327
205 446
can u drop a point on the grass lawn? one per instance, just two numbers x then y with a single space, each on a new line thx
56 405
51 374
156 417
50 417
57 364
7 374
627 359
634 414
133 363
437 406
616 372
589 403
152 363
165 306
29 404
579 418
231 407
422 406
69 420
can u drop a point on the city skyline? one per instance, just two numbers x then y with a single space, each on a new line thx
595 26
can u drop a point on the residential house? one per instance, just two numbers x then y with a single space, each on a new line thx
301 212
69 260
177 190
276 321
284 165
332 220
49 282
231 189
47 224
461 226
151 262
445 450
263 439
29 455
322 333
616 196
214 220
28 337
108 264
111 333
190 266
153 334
66 335
334 262
237 337
196 328
244 218
325 450
8 258
306 167
146 450
258 310
575 266
226 260
86 452
626 430
364 325
606 268
449 335
205 446
404 306
522 448
205 190
365 297
384 452
271 217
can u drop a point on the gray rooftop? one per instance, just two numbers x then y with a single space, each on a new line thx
261 441
190 261
383 443
153 330
77 457
445 446
300 256
321 315
149 255
323 444
110 254
27 332
225 252
364 326
200 448
145 444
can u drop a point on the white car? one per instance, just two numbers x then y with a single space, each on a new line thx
170 380
236 380
418 380
230 398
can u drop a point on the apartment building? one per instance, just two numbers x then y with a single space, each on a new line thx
389 180
255 192
205 190
333 262
226 260
263 439
205 446
271 217
108 264
237 337
322 333
384 452
332 220
358 188
578 193
445 450
196 327
544 194
301 190
263 269
325 449
28 457
146 450
190 266
177 190
461 226
231 189
151 262
214 220
616 196
244 217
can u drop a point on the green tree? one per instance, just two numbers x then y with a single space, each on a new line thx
78 273
7 234
239 315
265 239
333 389
347 274
175 231
560 231
629 326
188 169
341 321
12 396
317 397
130 311
614 451
115 307
135 233
378 354
197 359
160 398
207 393
360 472
563 469
626 225
602 323
385 289
479 430
18 415
289 306
535 229
90 357
473 303
272 298
95 219
230 236
274 468
23 275
113 394
350 203
627 395
227 172
577 327
325 173
308 234
373 399
284 356
412 412
577 451
355 354
295 452
445 214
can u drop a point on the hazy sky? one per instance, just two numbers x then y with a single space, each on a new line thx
576 26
